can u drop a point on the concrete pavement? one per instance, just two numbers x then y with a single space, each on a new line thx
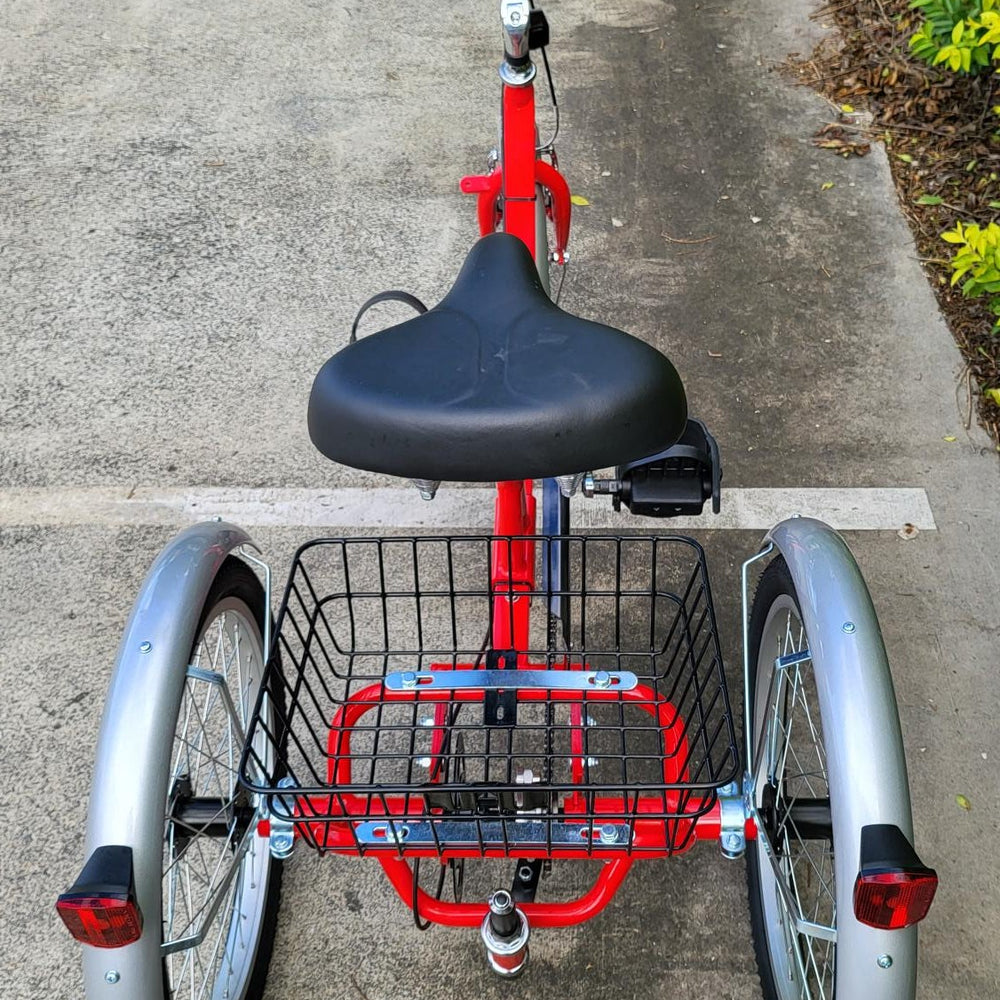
196 198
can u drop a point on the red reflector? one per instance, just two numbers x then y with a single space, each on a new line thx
264 828
891 900
101 921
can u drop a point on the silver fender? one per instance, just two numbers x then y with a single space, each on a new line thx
866 765
133 750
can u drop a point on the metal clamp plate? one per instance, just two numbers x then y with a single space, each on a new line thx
489 833
511 680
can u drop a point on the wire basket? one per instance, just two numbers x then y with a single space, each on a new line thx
387 722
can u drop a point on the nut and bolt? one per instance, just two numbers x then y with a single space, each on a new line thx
112 976
849 627
884 961
281 844
145 647
409 679
501 902
602 679
608 834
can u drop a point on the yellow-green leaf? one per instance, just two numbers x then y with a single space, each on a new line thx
993 394
847 109
905 157
956 32
578 199
826 186
929 199
963 802
950 437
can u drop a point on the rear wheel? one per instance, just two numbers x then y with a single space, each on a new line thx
220 885
792 872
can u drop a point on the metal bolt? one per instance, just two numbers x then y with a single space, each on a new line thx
501 902
423 762
884 961
112 976
145 647
409 679
592 761
849 627
602 679
608 833
281 845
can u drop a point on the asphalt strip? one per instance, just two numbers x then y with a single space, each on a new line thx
467 508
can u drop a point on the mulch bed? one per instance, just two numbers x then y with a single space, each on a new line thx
942 139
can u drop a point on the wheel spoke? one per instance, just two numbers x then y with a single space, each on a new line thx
793 766
213 889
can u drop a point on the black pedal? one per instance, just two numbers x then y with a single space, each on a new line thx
485 799
500 707
677 481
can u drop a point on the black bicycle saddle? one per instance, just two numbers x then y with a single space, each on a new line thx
495 382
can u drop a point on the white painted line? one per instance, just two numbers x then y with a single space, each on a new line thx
464 509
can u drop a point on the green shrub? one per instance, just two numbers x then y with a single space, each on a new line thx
962 34
977 261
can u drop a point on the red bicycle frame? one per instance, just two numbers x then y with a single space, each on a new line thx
519 187
509 198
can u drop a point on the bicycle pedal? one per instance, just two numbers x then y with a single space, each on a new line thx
673 483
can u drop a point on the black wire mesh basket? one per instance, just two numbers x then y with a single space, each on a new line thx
387 720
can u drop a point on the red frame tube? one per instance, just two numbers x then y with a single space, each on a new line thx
539 914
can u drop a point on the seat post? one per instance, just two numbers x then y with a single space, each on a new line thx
512 564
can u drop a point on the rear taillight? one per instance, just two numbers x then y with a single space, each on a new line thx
893 888
893 899
101 921
101 909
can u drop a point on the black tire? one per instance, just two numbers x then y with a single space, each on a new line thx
204 764
791 964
